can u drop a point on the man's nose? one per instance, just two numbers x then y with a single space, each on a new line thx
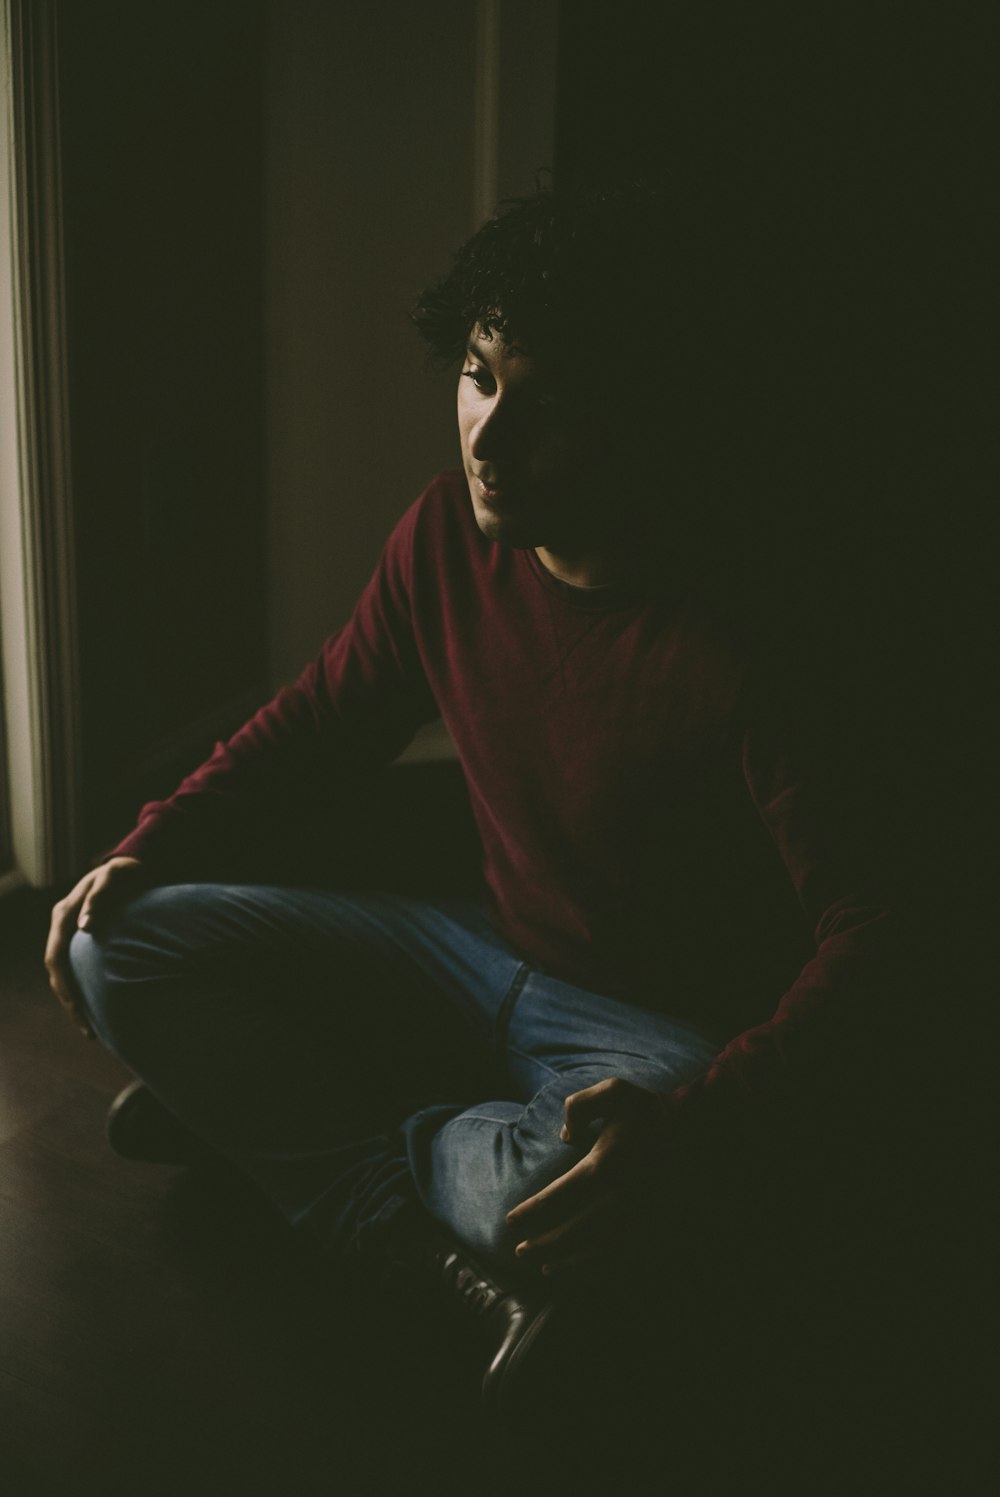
494 434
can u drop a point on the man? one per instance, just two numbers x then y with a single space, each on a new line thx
513 1095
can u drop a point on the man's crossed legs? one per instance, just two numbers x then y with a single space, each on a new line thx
357 1055
345 1051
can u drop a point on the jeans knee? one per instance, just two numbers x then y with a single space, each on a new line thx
494 1236
484 1166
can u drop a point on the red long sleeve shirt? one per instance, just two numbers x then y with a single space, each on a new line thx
650 828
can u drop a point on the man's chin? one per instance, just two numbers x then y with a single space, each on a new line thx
505 529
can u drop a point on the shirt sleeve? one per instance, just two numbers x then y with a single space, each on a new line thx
350 713
828 1028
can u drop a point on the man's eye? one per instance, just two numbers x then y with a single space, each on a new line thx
481 378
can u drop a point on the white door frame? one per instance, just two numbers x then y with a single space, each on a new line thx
38 614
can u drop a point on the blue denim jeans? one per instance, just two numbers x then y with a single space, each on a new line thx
350 1053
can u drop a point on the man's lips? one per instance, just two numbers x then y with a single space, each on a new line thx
489 488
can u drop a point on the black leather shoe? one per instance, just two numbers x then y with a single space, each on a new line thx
140 1127
513 1321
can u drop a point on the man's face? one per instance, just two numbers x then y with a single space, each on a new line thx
526 460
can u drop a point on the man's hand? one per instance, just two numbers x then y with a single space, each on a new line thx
608 1200
93 898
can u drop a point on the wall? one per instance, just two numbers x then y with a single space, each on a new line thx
161 168
368 187
255 191
370 153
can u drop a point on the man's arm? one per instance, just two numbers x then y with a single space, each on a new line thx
352 710
768 1081
350 713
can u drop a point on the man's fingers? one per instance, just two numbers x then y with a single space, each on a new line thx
61 983
587 1227
60 934
66 918
90 900
60 975
99 891
604 1099
95 900
563 1197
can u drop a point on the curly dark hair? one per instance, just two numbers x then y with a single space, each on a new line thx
554 272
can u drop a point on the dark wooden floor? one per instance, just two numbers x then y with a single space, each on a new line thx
162 1335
